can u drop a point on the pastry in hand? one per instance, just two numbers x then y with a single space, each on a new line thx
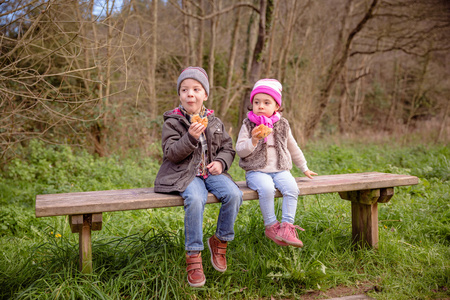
264 131
197 118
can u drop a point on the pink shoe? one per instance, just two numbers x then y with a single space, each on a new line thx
288 234
272 231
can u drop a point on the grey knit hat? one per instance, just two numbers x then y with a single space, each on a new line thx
196 73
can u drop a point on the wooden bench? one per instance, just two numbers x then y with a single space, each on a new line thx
364 190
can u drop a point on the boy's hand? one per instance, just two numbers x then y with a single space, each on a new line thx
215 168
255 137
196 130
309 174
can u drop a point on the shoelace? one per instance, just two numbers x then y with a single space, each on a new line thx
293 231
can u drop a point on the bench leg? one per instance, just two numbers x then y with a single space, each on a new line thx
85 245
365 224
365 214
83 224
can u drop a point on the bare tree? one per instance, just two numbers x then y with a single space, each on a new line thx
275 20
294 12
351 100
228 97
41 82
217 10
212 48
153 60
414 34
69 74
335 70
265 19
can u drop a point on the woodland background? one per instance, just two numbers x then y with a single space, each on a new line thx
99 74
83 85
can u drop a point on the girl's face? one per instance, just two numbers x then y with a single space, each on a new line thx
264 105
192 95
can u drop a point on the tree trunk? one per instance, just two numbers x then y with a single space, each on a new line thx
152 63
266 11
415 102
212 48
96 132
201 37
188 41
394 98
334 72
284 48
226 101
271 40
343 105
444 123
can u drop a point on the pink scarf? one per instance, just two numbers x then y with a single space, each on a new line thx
258 120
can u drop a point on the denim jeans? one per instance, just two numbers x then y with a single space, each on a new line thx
195 197
265 184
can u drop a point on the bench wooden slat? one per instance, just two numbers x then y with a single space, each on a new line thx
144 198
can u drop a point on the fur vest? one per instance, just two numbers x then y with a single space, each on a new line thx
258 158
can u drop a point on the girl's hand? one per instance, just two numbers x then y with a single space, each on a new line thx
196 129
215 168
255 137
309 174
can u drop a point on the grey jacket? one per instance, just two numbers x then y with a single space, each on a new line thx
182 152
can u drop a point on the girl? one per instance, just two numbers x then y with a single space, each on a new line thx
267 161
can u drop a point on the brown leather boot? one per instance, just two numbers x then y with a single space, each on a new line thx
218 250
196 277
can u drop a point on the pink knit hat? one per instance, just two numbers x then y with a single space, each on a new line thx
268 86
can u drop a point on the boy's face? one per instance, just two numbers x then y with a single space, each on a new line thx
192 95
264 105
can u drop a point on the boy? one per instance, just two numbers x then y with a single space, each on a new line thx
195 160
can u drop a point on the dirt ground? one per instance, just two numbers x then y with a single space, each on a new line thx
342 291
345 292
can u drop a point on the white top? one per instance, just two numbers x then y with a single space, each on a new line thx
244 148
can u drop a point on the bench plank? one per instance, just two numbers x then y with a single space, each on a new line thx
144 198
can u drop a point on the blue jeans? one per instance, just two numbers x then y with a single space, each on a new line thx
265 184
195 197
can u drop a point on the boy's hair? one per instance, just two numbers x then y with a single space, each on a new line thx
196 73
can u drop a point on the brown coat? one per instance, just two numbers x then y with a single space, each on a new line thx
182 152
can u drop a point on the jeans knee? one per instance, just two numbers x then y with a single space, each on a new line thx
292 195
193 204
290 191
266 191
234 196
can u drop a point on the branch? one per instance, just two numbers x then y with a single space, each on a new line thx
340 63
402 49
29 31
210 16
18 9
63 74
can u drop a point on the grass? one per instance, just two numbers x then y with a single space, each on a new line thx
140 254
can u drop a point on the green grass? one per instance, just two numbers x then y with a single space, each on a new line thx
140 254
